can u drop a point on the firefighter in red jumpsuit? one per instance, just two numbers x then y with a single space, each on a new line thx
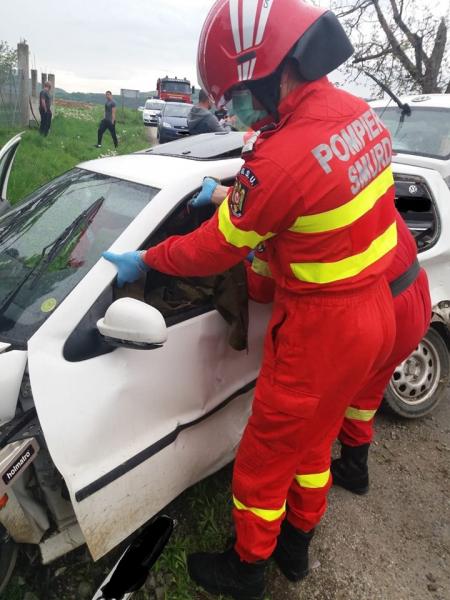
412 304
317 188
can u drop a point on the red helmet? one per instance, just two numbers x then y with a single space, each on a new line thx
247 40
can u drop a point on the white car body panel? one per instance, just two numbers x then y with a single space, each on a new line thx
118 405
12 368
436 260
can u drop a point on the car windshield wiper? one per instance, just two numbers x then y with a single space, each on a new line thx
405 108
52 250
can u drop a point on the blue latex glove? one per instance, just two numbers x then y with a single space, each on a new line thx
130 266
251 256
204 197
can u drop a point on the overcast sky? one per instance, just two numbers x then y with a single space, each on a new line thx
94 45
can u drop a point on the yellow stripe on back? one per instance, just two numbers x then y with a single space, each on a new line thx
322 273
348 213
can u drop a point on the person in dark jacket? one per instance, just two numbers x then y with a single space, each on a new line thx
45 110
201 120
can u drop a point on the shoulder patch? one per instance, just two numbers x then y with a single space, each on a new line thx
237 199
248 174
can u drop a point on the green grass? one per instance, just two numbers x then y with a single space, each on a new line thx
70 141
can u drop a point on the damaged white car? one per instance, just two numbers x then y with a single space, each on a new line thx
117 407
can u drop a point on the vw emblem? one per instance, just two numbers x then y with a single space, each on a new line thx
413 189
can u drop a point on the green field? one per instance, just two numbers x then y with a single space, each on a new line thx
71 140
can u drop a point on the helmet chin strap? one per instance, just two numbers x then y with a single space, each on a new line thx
267 91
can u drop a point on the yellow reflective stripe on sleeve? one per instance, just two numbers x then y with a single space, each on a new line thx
261 267
314 480
235 236
359 415
347 267
264 514
348 213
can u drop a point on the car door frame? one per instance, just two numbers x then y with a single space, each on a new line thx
7 156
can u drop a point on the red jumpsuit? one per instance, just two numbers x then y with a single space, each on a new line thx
318 190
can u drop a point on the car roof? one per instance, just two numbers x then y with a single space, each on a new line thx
156 166
417 100
207 146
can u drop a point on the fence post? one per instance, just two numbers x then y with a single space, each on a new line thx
34 83
24 83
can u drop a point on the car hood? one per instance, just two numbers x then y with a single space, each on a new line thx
441 166
12 368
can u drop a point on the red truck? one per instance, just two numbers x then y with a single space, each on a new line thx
172 89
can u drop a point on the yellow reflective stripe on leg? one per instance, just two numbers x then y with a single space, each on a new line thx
348 267
313 480
348 213
235 236
359 415
261 267
262 513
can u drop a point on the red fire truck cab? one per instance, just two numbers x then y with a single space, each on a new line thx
172 89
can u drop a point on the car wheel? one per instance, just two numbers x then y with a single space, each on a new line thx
8 557
420 382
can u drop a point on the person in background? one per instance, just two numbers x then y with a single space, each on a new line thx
201 119
45 104
108 122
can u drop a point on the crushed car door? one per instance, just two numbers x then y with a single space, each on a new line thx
129 430
7 155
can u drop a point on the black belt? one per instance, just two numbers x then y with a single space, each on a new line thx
403 282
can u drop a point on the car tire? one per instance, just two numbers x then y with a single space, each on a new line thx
420 382
8 557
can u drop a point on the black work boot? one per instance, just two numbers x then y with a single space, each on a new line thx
350 471
291 553
226 574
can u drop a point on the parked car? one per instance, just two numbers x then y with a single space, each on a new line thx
173 122
152 112
421 141
89 398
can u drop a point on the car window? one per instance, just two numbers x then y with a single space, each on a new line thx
425 132
176 86
177 110
153 105
53 238
177 298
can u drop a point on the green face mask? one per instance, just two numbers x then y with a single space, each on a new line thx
244 109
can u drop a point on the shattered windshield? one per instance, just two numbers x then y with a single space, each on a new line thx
426 132
53 238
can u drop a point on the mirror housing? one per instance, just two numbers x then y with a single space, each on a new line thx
130 323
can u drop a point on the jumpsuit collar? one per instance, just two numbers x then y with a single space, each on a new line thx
298 96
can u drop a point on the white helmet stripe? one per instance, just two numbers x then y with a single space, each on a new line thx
252 68
234 17
263 18
249 8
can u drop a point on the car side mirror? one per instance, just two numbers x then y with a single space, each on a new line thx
130 323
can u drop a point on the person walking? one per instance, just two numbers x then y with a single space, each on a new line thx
108 122
45 109
317 189
201 119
